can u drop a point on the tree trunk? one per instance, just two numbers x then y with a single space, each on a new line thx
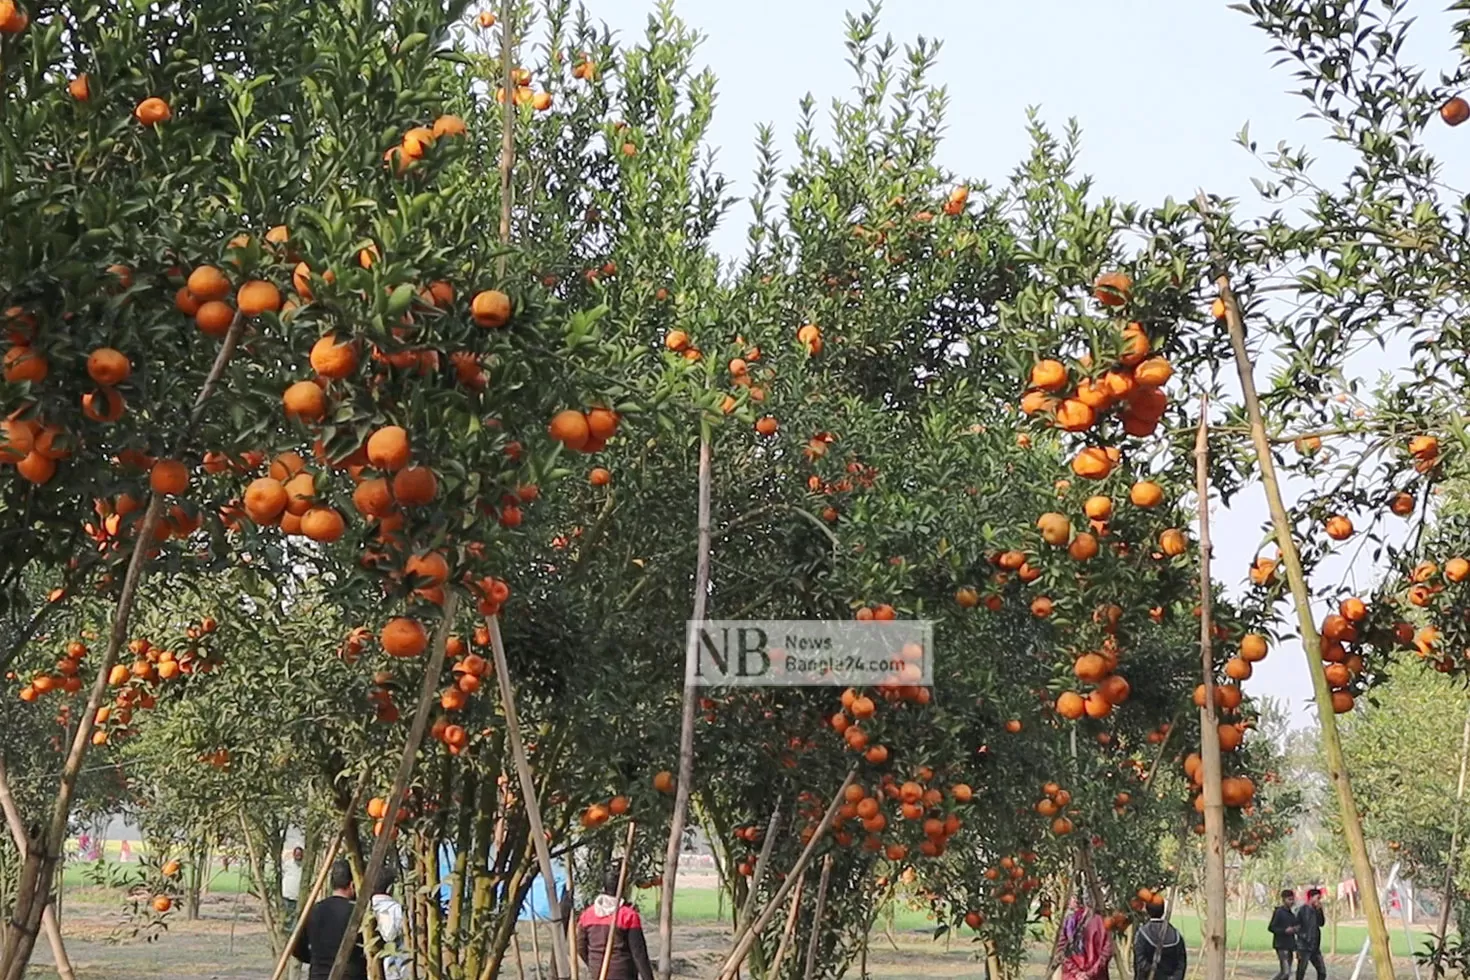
1352 824
18 836
1447 901
1215 911
686 723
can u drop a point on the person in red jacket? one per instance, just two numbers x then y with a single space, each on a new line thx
606 920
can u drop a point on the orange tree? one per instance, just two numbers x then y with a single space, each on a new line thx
324 225
868 462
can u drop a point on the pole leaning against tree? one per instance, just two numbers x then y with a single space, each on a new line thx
1337 774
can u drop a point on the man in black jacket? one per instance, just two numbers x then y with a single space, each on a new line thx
321 935
1158 949
1309 922
1283 933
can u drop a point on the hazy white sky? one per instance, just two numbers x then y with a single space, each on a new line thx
1160 88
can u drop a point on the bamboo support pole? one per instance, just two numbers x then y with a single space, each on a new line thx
1352 824
814 941
388 826
683 786
612 931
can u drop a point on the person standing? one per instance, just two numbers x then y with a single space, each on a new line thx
1283 933
1158 948
1309 922
388 917
291 884
1087 945
326 923
608 920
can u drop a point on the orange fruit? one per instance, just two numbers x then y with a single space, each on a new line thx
1075 415
258 296
1455 111
664 782
25 364
103 405
214 318
416 142
1146 494
372 498
388 448
1092 463
265 500
152 111
206 283
305 400
1339 528
1154 372
162 903
1113 288
1253 648
569 427
767 425
323 524
1173 543
1049 375
108 367
491 308
403 637
602 423
1083 547
1238 669
1055 529
1041 607
599 477
168 476
333 360
301 279
1098 508
414 486
448 126
80 88
1115 688
36 468
1070 705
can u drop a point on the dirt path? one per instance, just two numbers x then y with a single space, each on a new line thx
229 943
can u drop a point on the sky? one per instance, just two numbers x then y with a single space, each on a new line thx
1160 88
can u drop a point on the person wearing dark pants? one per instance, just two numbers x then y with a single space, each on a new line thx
1283 933
1309 922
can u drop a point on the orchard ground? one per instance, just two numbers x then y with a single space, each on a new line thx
228 942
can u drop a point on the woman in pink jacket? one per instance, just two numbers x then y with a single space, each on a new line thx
1086 943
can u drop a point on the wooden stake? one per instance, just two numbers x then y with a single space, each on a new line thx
18 837
34 892
1215 911
304 905
686 725
528 794
388 826
790 931
572 959
753 932
612 930
767 846
814 942
1442 933
1352 823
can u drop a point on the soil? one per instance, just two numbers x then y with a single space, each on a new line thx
228 942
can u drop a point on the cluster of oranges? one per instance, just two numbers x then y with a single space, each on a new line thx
31 447
1341 662
416 143
1053 805
597 814
526 95
883 814
1011 878
137 683
1131 387
377 811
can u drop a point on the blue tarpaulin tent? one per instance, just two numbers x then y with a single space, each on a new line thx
535 906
